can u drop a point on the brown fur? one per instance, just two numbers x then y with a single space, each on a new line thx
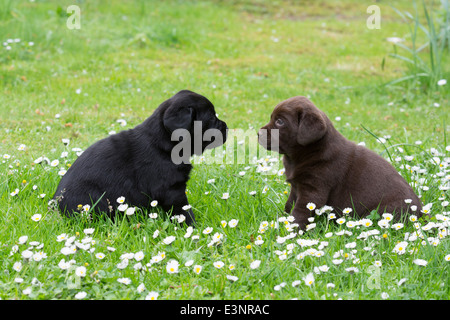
325 168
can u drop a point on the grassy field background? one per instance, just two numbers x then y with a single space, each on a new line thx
245 56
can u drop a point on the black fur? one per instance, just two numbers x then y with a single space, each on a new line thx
137 163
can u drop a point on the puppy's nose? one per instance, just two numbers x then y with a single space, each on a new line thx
262 131
224 125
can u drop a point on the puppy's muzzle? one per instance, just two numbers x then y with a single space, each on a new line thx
264 137
224 130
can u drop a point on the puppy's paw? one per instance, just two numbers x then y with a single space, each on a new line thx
301 219
190 218
191 221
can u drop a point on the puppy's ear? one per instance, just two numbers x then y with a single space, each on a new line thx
312 126
178 118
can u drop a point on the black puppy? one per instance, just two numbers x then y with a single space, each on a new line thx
140 164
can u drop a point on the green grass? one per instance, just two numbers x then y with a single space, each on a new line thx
245 56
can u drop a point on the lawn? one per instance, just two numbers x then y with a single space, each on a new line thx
63 89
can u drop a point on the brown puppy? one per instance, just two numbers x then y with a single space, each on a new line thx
325 168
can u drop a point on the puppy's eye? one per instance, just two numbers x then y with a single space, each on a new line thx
279 123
